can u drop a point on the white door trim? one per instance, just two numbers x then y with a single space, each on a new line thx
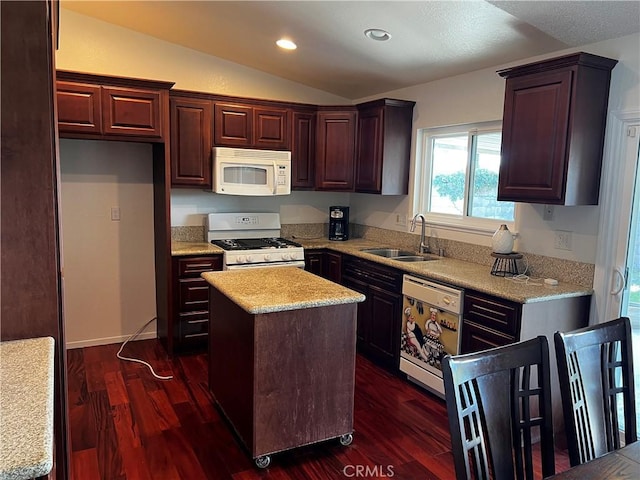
616 200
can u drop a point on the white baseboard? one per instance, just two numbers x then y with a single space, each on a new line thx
107 340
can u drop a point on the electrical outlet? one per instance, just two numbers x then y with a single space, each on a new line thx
562 240
401 219
115 214
548 213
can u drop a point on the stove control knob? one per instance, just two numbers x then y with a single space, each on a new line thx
267 257
249 259
240 258
286 256
294 256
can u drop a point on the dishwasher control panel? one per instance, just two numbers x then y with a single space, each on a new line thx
441 296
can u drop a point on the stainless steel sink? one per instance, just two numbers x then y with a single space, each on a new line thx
412 258
388 252
399 255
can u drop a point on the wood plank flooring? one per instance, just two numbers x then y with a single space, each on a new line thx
126 425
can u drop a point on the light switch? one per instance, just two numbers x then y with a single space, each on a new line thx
115 214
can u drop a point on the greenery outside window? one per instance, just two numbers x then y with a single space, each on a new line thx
459 184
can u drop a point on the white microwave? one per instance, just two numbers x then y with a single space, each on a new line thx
245 171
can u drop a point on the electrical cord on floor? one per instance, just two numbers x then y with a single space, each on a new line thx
129 359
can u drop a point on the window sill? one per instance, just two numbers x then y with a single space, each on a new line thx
476 227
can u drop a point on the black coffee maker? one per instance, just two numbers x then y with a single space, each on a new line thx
338 223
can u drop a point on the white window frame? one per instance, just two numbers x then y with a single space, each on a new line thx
422 186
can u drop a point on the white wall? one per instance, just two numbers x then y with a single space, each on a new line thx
189 207
479 96
109 269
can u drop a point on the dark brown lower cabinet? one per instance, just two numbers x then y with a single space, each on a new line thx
324 263
379 316
491 321
488 322
189 323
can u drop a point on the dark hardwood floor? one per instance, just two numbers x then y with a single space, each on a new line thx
125 424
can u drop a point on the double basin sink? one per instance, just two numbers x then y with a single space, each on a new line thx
399 255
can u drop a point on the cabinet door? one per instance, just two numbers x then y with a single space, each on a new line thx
190 142
303 150
79 108
385 313
364 311
333 267
335 154
534 138
369 161
314 263
233 125
132 112
271 128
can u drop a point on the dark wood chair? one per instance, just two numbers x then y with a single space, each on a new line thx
595 369
499 404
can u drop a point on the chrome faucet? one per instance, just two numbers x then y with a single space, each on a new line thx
424 247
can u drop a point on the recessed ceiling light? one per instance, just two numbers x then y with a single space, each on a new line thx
286 44
377 34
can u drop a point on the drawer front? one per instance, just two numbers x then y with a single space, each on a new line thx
477 337
193 267
194 295
373 274
498 314
193 325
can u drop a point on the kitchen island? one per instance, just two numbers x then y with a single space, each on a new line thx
282 357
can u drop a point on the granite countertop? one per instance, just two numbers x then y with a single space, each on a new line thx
26 408
268 290
447 270
193 248
458 273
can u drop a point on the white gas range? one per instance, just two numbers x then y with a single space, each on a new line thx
252 240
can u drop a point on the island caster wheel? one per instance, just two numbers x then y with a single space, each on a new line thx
263 462
346 439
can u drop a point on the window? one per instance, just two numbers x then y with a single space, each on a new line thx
460 176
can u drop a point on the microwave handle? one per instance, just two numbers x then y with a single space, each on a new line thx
275 177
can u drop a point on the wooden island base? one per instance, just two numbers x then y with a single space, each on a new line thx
283 379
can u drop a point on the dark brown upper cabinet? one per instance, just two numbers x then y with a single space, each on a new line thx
384 147
79 107
190 125
303 148
250 126
335 148
117 108
553 130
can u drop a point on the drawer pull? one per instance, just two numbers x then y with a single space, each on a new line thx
204 320
192 335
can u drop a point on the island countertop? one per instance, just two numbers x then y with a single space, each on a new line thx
26 408
267 290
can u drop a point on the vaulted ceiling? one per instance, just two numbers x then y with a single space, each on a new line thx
429 39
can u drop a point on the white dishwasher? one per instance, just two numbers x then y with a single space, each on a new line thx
431 321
